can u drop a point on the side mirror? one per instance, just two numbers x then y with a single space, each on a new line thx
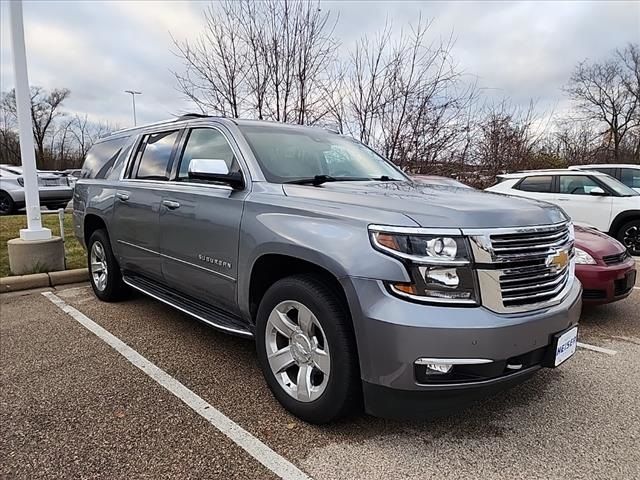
597 191
214 171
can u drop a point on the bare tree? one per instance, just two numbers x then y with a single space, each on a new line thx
607 92
264 59
45 108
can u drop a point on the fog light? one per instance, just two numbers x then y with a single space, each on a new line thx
438 368
434 366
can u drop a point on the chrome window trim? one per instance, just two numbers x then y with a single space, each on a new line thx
242 164
169 257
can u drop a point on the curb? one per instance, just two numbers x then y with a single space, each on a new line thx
40 280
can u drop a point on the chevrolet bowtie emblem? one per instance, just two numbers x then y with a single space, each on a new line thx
558 260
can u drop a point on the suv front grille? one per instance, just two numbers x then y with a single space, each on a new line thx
518 246
614 259
525 268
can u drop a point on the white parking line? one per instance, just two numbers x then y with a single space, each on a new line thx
254 447
591 347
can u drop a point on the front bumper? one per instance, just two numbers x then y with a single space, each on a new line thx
605 284
392 334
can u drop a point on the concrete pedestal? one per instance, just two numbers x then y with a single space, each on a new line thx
35 256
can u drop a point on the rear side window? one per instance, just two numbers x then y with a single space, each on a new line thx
104 157
608 171
155 154
630 177
577 184
541 184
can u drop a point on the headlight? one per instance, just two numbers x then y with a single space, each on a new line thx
583 258
438 262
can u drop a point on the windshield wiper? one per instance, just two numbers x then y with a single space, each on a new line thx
320 179
386 178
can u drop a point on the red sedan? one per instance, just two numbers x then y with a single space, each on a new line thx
603 266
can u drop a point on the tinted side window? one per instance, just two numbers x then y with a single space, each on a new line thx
206 144
608 171
540 184
102 157
577 184
155 154
630 177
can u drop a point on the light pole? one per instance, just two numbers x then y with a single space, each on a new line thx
133 98
34 230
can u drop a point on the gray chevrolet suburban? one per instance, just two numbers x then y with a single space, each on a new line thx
360 286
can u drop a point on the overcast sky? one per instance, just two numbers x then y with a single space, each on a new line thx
521 50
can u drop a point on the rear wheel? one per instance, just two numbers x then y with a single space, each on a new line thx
104 271
7 205
629 236
306 349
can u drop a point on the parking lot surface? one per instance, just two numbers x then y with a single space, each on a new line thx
73 407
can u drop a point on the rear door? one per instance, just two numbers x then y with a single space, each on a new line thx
136 229
575 198
200 223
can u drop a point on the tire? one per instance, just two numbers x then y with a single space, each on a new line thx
325 328
7 205
629 236
104 271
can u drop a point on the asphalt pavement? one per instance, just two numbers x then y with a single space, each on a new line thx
73 407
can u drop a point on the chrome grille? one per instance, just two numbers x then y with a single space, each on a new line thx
516 246
522 269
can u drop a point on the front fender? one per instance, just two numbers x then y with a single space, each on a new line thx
340 245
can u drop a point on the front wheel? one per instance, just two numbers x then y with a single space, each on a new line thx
306 349
629 236
7 205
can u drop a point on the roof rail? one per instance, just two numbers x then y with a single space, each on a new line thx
186 116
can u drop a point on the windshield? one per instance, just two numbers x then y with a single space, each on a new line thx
618 187
290 154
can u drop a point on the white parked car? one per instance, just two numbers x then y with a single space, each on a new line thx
588 197
627 173
55 190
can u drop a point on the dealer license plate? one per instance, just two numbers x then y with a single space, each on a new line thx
566 345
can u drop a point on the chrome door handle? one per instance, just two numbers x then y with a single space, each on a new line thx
124 196
170 204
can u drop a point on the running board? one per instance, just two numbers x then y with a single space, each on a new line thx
208 314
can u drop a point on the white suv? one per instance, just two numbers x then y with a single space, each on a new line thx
588 197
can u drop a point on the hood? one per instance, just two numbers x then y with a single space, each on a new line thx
595 243
434 205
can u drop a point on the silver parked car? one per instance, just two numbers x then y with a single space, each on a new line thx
54 189
359 285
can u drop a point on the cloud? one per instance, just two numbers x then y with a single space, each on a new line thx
521 50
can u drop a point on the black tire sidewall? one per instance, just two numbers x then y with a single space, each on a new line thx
623 229
114 289
12 205
340 394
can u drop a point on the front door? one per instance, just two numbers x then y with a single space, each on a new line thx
200 225
136 229
575 198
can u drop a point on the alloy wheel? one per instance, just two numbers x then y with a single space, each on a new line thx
99 269
5 204
631 239
298 351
